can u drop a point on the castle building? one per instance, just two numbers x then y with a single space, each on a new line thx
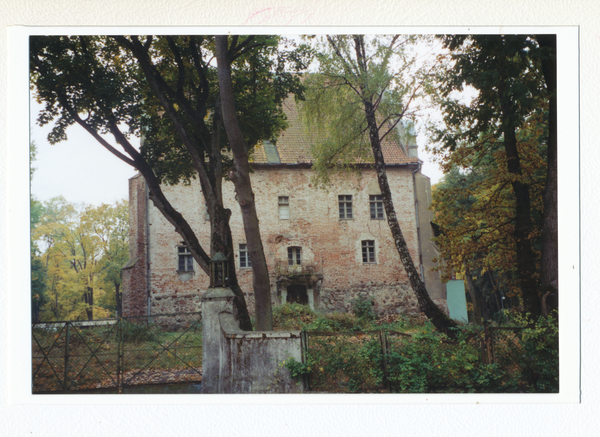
323 247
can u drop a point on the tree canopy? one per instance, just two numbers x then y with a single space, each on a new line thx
165 90
500 141
84 248
365 87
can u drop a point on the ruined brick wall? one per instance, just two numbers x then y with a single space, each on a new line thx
135 300
330 246
172 291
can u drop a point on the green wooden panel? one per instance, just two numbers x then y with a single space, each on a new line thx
457 301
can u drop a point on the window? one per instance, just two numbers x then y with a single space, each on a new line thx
284 207
185 260
368 251
244 256
376 203
345 207
294 256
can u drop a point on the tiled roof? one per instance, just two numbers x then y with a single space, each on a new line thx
293 145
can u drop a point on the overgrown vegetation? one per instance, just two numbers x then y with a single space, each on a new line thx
350 358
126 352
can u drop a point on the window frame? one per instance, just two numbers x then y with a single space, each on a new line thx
283 203
243 252
294 256
345 210
184 256
368 251
376 210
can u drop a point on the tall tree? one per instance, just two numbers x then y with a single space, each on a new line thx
373 75
167 88
505 72
475 209
39 296
240 175
83 249
549 275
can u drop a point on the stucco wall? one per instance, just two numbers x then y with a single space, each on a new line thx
236 361
429 251
330 245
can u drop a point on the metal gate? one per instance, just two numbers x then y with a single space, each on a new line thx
110 355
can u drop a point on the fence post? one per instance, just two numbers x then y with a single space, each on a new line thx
66 376
492 345
383 341
304 348
120 348
487 343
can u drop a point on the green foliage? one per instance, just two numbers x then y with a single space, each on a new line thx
362 307
296 316
292 316
84 250
493 147
333 111
424 361
138 333
39 295
531 353
475 209
298 369
341 363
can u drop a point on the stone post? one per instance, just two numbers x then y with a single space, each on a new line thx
214 302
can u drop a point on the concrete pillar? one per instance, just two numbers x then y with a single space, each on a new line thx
214 302
311 298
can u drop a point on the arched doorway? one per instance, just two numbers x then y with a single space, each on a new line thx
297 294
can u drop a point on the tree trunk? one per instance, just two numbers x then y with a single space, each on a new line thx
523 227
119 305
474 297
240 176
210 187
222 241
439 319
88 298
549 276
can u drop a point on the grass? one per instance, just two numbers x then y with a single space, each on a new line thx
93 354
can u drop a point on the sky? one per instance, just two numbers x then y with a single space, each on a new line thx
79 169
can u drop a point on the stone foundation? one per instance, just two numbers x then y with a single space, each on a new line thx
388 299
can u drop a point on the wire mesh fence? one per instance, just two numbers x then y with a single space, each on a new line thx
369 361
115 354
493 360
345 361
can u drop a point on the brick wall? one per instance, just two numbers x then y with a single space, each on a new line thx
332 247
135 292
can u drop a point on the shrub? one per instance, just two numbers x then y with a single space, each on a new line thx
291 316
362 307
138 333
530 355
